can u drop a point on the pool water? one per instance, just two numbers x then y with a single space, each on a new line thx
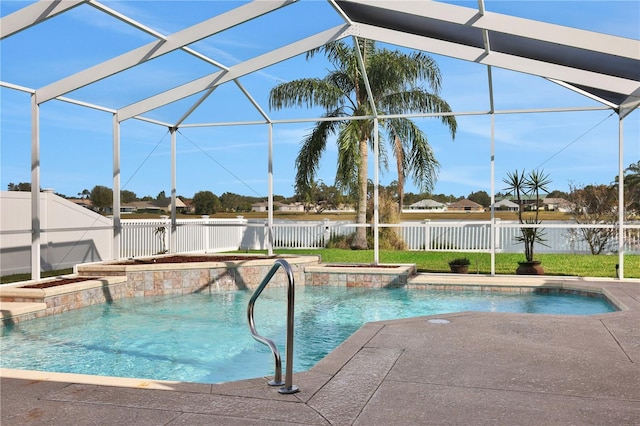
205 337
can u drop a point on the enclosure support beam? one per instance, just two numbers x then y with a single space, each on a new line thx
376 203
269 236
492 239
35 189
172 239
376 157
117 224
620 200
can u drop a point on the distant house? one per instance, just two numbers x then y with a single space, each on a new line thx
83 202
506 205
465 205
528 201
138 206
295 207
189 207
426 205
152 206
557 204
165 204
263 206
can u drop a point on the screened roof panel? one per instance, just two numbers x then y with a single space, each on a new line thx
461 26
177 49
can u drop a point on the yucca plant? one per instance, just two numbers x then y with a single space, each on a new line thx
521 184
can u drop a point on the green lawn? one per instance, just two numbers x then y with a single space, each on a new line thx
581 265
26 277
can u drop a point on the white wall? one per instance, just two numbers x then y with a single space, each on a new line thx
77 241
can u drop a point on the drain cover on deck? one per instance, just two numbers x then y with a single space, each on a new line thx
438 321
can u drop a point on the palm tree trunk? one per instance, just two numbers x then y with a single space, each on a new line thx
360 241
400 170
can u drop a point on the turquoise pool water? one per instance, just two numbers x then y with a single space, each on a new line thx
205 337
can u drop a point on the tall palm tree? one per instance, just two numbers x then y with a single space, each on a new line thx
632 175
396 81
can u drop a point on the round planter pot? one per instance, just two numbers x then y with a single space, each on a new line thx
530 268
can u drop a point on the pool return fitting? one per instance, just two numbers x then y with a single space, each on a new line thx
277 381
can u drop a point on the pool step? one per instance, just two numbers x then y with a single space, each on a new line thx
13 312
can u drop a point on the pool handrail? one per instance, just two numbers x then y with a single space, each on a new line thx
277 381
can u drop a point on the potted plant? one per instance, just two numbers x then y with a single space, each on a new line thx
521 184
459 265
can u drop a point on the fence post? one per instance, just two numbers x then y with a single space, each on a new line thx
240 230
205 229
427 234
163 234
326 235
497 241
267 242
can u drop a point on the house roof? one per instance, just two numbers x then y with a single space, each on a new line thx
465 203
166 202
427 203
557 201
506 203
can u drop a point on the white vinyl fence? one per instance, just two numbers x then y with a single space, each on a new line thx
144 237
141 237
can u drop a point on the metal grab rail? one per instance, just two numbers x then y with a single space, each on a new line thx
277 381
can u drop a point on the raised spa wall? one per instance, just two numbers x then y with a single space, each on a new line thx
115 281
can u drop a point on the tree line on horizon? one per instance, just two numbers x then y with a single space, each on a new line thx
322 197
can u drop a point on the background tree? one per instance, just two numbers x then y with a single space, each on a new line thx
307 194
161 196
318 197
595 205
127 196
101 197
230 201
480 197
84 194
558 194
22 186
632 188
396 80
206 202
410 198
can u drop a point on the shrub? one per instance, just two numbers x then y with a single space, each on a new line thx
461 261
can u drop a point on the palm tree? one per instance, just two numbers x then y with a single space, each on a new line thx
396 80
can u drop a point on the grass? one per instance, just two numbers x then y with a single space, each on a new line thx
26 277
581 265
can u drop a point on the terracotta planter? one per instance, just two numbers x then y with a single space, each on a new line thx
530 268
459 269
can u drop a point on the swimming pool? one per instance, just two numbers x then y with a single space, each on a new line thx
204 337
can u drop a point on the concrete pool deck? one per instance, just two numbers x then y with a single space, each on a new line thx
464 368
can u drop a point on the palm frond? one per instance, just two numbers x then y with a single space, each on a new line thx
348 156
311 149
306 92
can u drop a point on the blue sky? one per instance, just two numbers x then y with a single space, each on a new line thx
573 147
